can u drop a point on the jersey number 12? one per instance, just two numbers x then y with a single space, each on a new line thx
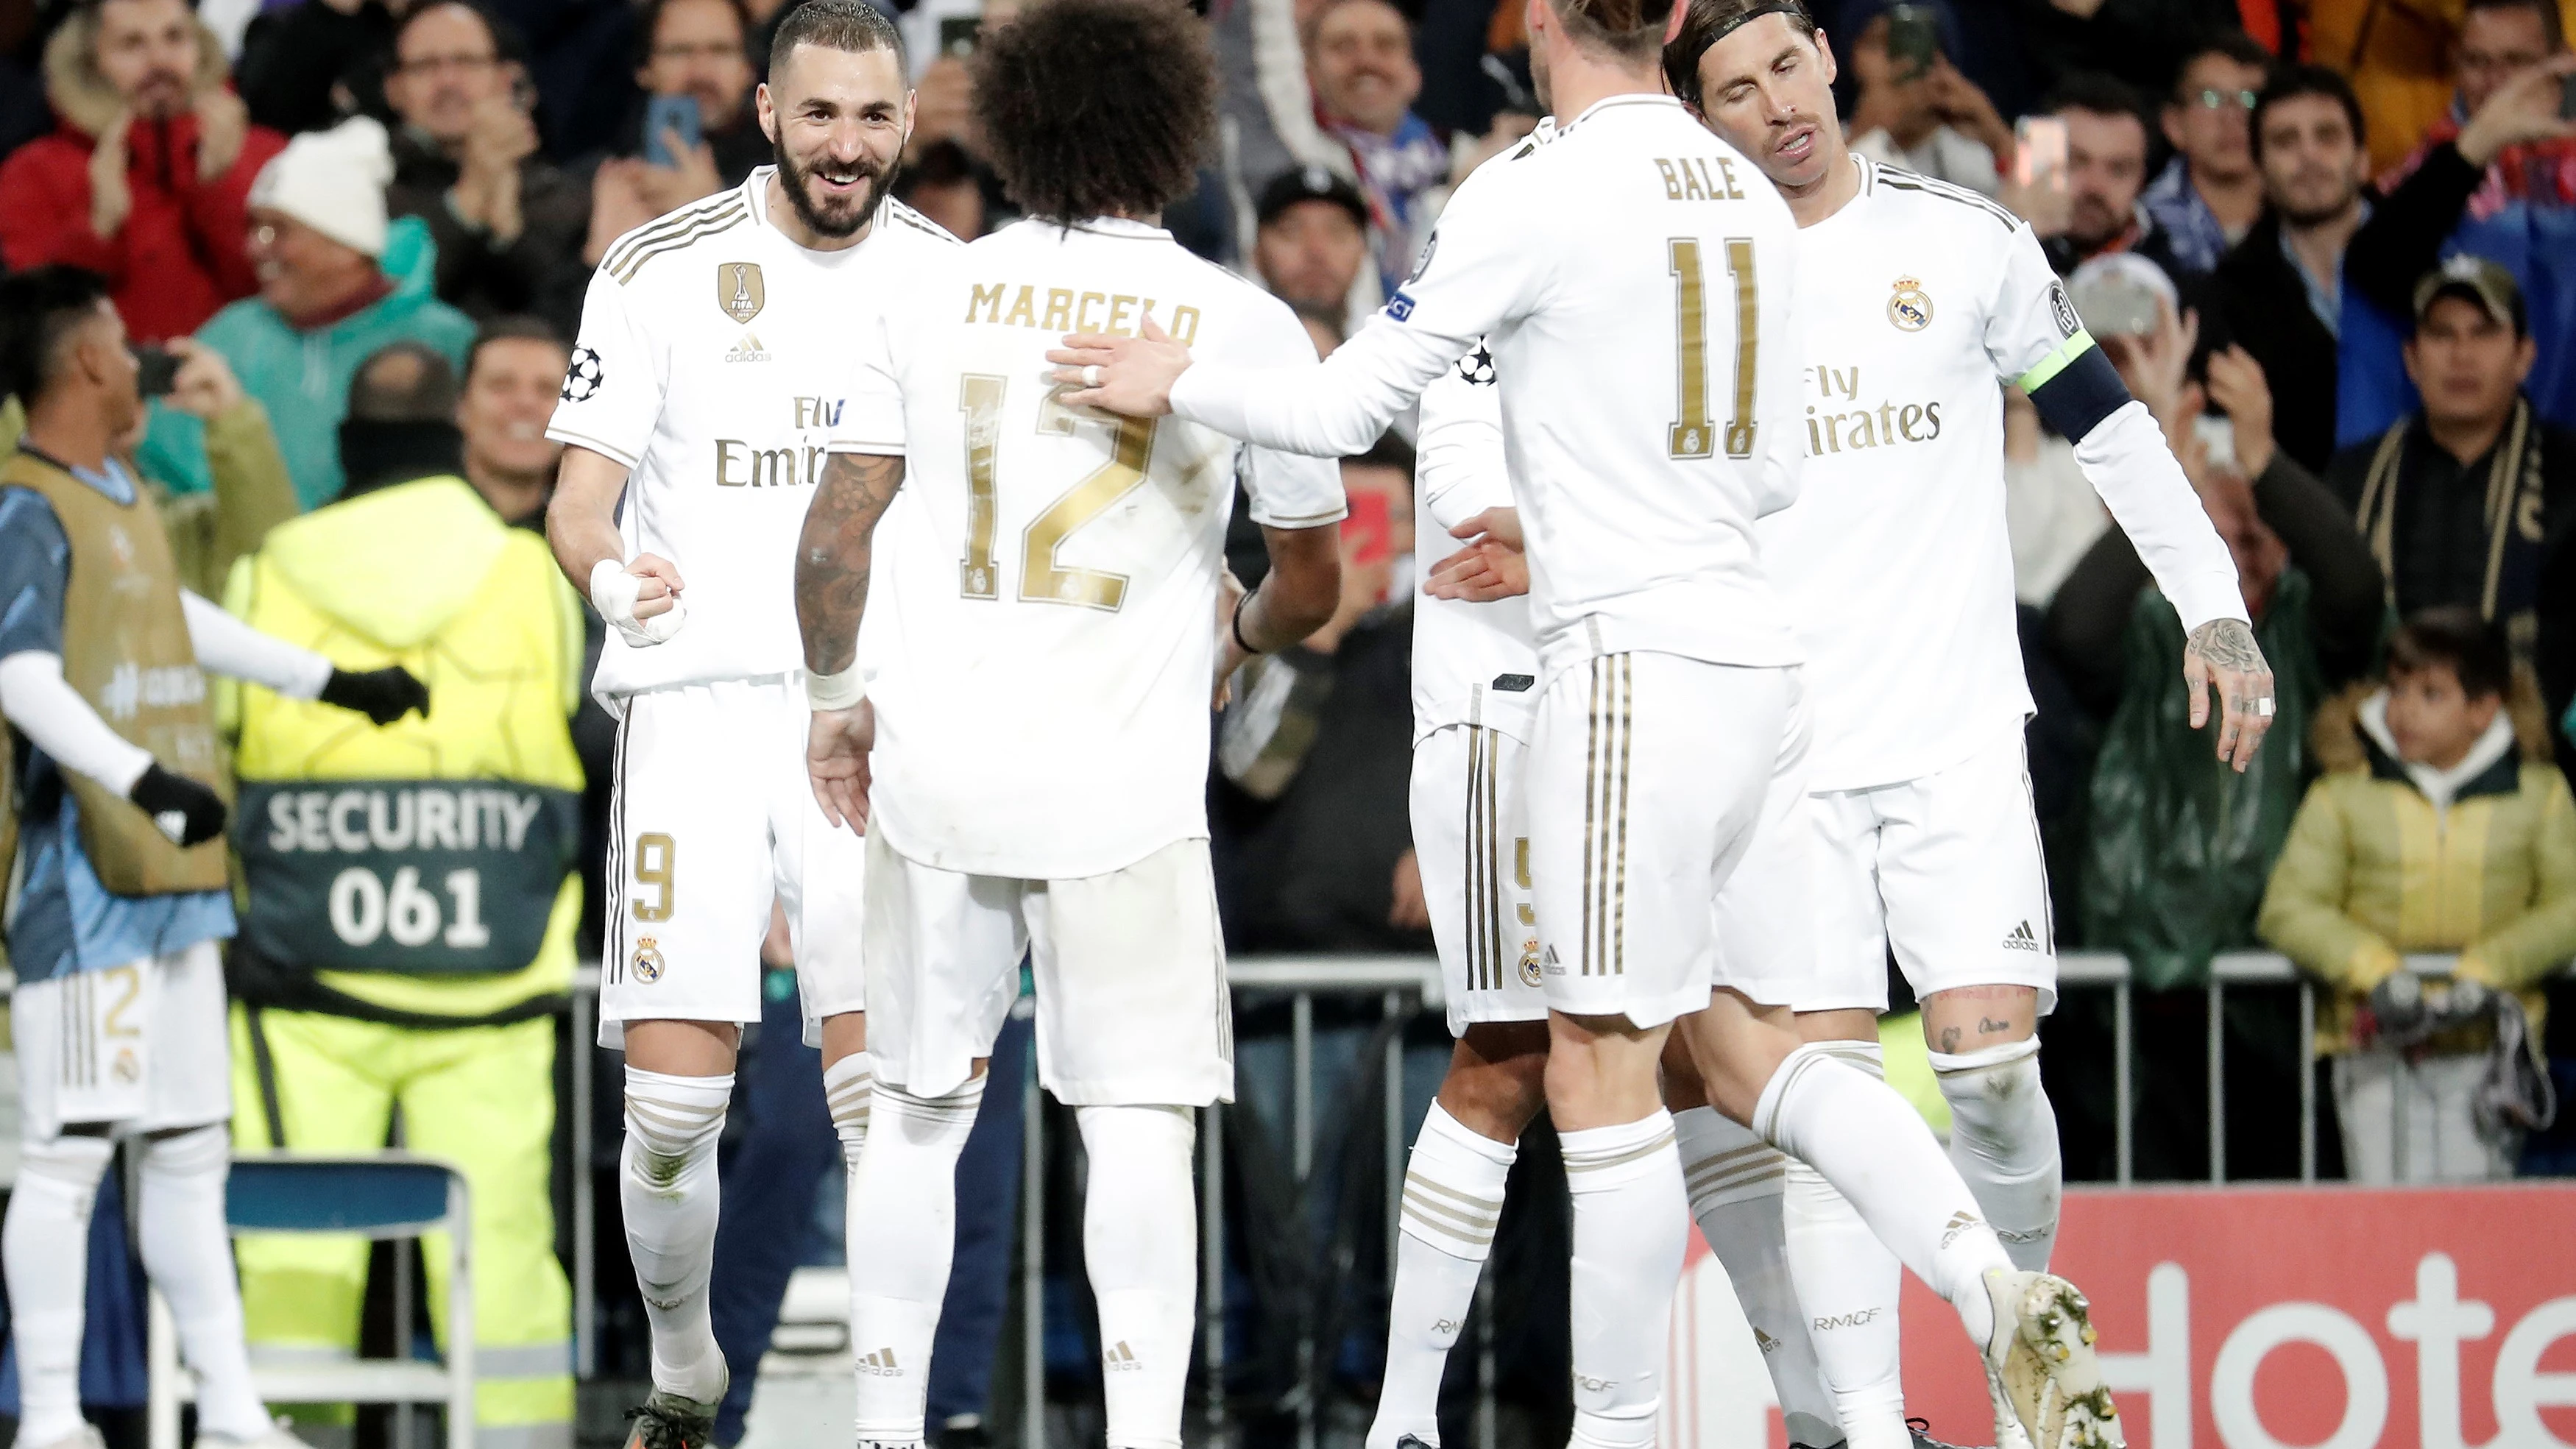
1692 435
1043 580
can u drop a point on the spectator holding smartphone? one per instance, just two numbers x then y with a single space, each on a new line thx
695 56
1915 109
465 162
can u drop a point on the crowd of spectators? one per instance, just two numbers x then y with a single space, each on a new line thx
2332 246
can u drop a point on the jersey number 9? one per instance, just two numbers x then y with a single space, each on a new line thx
1692 435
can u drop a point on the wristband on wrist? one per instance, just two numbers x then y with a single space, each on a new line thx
842 690
1237 624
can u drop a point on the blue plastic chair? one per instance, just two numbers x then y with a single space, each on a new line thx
383 1195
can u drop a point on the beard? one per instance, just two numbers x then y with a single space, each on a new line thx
795 177
2298 215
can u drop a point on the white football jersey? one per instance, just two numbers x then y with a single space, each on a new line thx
1473 664
1043 620
711 362
1632 277
1916 301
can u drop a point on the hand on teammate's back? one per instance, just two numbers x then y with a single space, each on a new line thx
1132 376
1230 652
1491 566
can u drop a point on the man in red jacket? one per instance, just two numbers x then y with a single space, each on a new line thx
144 179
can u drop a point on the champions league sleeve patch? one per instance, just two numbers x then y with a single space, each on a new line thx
582 379
1400 307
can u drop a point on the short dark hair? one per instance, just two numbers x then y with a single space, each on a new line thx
403 382
2454 637
846 25
506 43
2103 95
1709 21
1389 451
1095 107
2552 26
510 329
1632 30
648 24
39 311
2292 81
2232 43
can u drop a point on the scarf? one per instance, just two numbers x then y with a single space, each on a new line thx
2512 506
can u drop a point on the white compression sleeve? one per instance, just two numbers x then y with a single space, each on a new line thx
1329 410
1140 1242
227 646
2127 462
37 699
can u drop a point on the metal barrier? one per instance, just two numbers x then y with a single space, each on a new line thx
1404 984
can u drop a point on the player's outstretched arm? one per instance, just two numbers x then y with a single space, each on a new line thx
1296 598
225 645
639 598
834 555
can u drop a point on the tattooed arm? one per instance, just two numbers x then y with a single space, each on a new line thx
833 558
2221 655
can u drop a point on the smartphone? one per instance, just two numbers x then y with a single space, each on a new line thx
2567 98
158 371
1913 40
2039 153
2114 304
1369 528
669 113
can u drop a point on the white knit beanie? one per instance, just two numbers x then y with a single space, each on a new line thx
334 182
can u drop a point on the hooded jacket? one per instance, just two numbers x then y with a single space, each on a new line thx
2377 868
303 377
424 574
183 250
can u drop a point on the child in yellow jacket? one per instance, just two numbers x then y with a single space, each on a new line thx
2440 827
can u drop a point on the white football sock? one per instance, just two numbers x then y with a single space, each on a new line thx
189 1256
44 1249
902 1231
1453 1197
667 1190
849 1085
2003 1140
1849 1283
1628 1245
1140 1241
1734 1180
1879 1155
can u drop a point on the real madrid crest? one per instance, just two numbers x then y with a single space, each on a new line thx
1911 308
648 961
738 290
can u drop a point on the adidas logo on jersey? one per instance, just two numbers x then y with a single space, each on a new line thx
2021 939
881 1363
1120 1359
748 350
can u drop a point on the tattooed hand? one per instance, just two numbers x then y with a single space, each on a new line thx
2223 656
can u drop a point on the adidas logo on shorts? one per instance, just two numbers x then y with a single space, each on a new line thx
2021 939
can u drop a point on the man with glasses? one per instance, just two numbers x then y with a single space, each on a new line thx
2210 193
465 163
697 50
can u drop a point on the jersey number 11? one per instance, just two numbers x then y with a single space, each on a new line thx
1692 436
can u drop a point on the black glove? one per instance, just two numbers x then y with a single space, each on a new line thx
382 695
182 809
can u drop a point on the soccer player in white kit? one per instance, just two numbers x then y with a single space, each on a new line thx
1631 276
697 412
1916 299
1024 734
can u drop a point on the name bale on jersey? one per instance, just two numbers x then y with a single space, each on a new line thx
742 465
1062 309
1699 178
1890 424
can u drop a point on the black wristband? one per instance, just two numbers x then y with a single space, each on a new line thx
1237 624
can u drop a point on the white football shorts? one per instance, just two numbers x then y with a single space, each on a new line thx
1948 870
1665 840
1471 841
1132 1007
143 1047
712 820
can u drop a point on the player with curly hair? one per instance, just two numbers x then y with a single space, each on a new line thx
1028 741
